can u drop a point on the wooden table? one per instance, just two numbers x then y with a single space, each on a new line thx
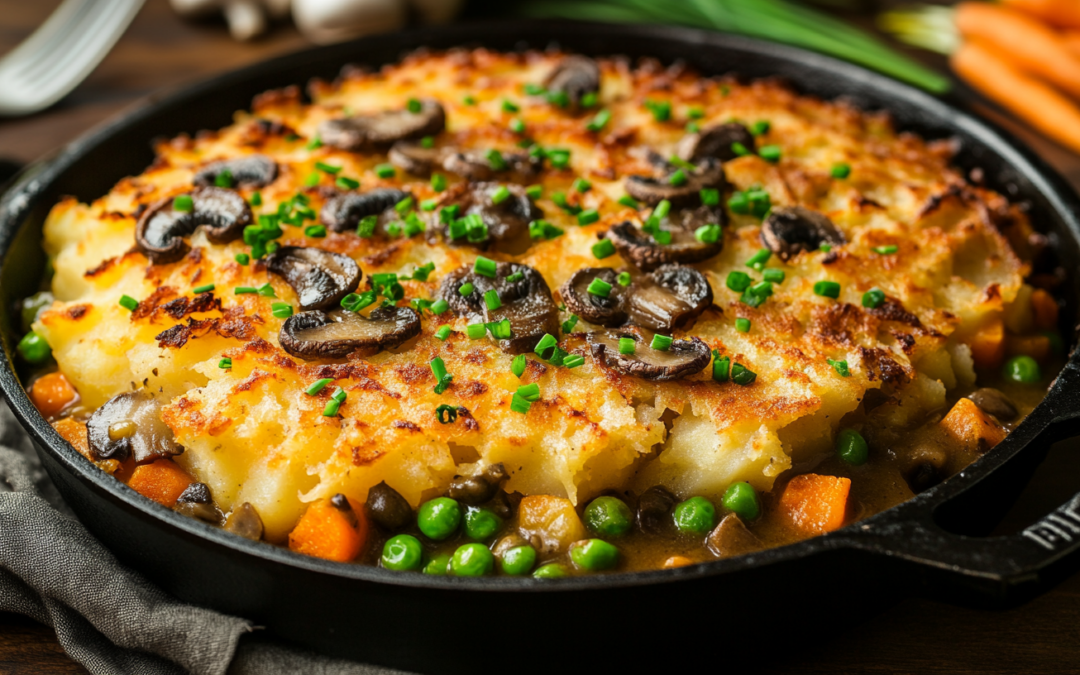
913 636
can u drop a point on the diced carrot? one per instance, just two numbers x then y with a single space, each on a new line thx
1035 346
1046 310
52 393
677 561
815 504
163 481
1072 41
74 432
988 344
968 425
1061 13
331 532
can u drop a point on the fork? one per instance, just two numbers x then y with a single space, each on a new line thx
61 53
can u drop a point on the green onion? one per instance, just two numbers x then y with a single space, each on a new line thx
840 170
224 179
413 225
429 204
599 121
662 209
762 288
281 310
318 386
742 375
681 163
710 196
245 290
346 183
129 303
443 332
529 392
438 368
825 248
627 345
242 258
500 330
738 203
366 228
623 278
485 267
873 298
339 395
738 281
720 367
491 299
518 365
628 201
475 331
827 289
266 290
183 203
773 275
886 250
205 288
500 195
588 217
533 89
438 182
466 289
708 234
468 99
413 105
569 324
509 106
495 159
385 171
603 249
677 178
573 360
661 110
448 214
760 128
439 306
581 185
534 192
742 325
558 98
770 153
314 144
661 343
225 363
312 179
559 159
446 414
517 125
545 344
589 99
758 260
841 367
316 231
355 302
327 168
740 149
599 287
427 142
520 404
542 229
256 199
516 277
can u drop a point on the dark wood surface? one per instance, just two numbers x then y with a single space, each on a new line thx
912 636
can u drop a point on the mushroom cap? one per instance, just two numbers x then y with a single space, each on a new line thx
682 359
475 490
161 228
507 222
790 230
320 278
336 334
644 252
253 171
381 129
609 311
654 189
344 211
670 297
527 304
151 439
575 76
715 143
388 508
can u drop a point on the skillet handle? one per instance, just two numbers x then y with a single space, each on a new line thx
997 570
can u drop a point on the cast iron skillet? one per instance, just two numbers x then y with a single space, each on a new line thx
447 624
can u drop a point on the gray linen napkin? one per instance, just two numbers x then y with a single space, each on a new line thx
106 616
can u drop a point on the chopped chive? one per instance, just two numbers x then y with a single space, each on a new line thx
559 159
518 365
438 182
841 367
485 267
710 196
628 201
500 195
242 258
129 303
559 98
534 192
413 225
681 163
438 368
448 214
742 375
466 289
542 229
661 343
355 302
495 159
770 153
574 360
314 144
873 298
677 178
500 330
546 343
224 179
385 171
599 287
318 385
599 121
256 199
414 106
427 142
692 127
492 300
758 260
827 289
560 200
825 248
720 367
443 332
708 234
603 249
312 179
225 363
446 414
404 206
509 106
517 125
529 392
738 203
317 231
742 325
245 290
183 203
841 170
581 185
588 217
266 290
281 310
738 281
739 149
327 168
475 331
366 228
519 404
439 306
662 209
205 288
533 89
429 204
569 324
773 275
752 299
760 128
516 277
339 395
886 250
661 110
468 99
695 112
589 99
623 278
763 288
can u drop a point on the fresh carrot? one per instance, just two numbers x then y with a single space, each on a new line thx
74 432
1072 41
1017 38
815 504
1045 308
163 481
1038 103
968 425
52 393
1060 13
988 344
334 529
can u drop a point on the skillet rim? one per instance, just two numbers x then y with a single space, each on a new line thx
21 195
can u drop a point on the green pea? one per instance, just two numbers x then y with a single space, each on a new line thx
33 305
439 518
518 561
550 571
472 560
34 348
481 523
594 554
402 552
851 447
608 517
696 515
1022 369
742 499
438 565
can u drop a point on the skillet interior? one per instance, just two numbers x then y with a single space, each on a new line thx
314 601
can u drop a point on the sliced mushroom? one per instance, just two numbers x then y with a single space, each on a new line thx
715 142
343 212
654 510
253 171
574 76
790 230
129 425
527 303
472 165
507 222
381 129
731 538
654 189
388 508
646 253
414 158
161 228
609 311
335 335
245 521
475 490
195 502
993 402
682 359
672 296
320 278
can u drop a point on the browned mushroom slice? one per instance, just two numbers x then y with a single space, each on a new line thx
253 171
994 402
716 142
654 189
343 212
731 538
320 278
160 230
603 311
245 521
654 509
129 425
671 297
525 302
388 508
196 502
335 335
505 225
646 253
790 230
414 158
475 490
381 129
682 359
574 76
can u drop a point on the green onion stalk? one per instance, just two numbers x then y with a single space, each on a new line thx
778 20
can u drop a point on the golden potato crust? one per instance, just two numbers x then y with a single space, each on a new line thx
252 434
